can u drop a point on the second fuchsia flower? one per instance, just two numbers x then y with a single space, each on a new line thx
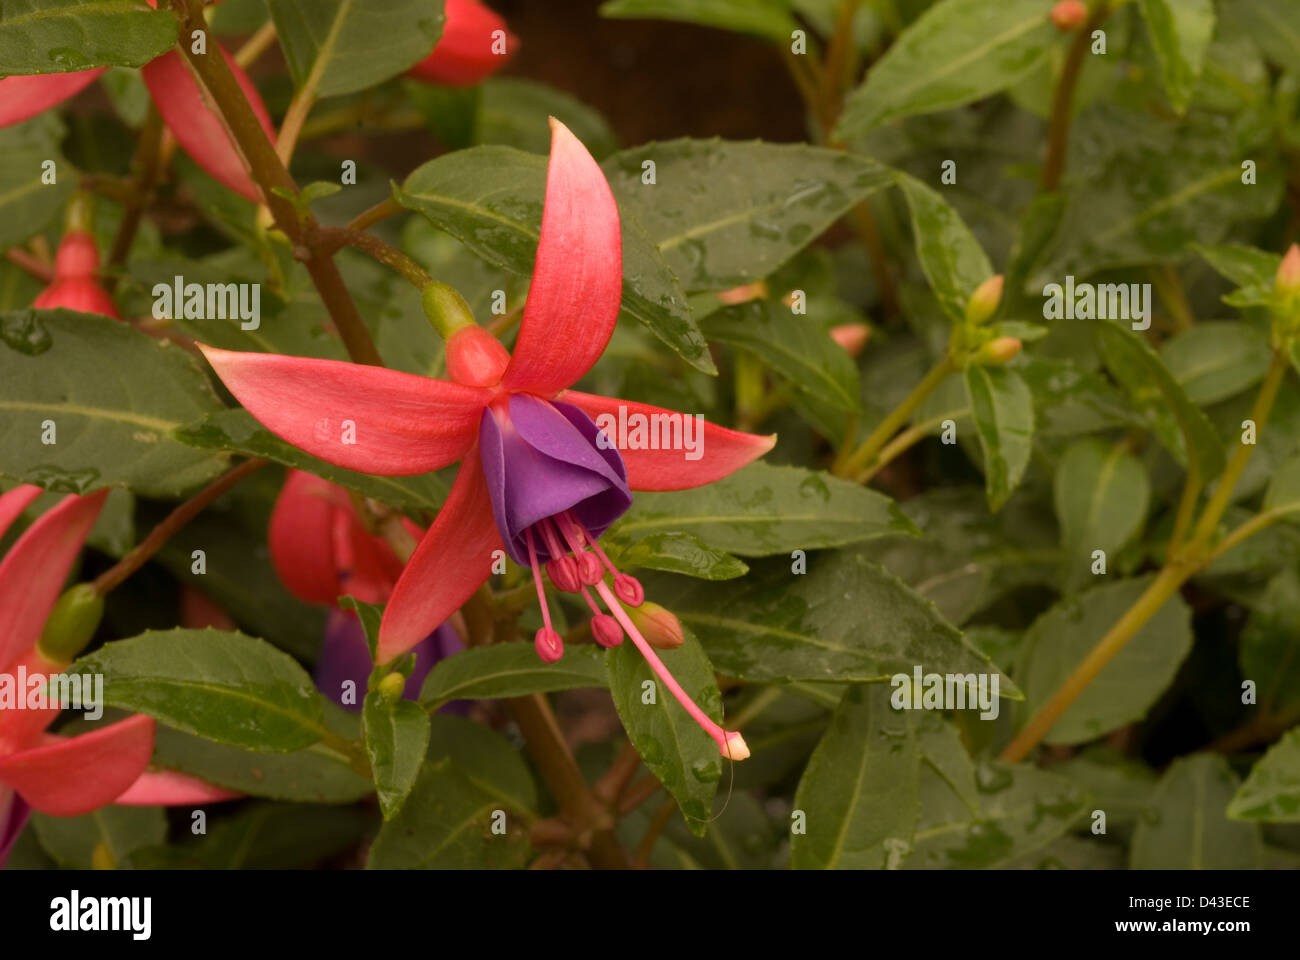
63 776
537 479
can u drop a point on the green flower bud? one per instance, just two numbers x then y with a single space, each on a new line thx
997 352
391 687
71 623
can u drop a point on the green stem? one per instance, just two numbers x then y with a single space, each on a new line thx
861 458
269 172
1179 567
1058 131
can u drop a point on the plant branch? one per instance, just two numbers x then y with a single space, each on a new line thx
173 522
255 46
1058 131
269 173
864 456
369 244
380 211
1179 566
146 168
42 271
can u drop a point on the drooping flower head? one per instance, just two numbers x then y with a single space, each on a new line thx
475 44
321 551
537 478
75 285
63 776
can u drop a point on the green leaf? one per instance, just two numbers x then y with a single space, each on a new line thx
763 510
342 46
1283 494
1184 826
240 578
769 19
956 52
1180 32
1271 792
237 432
986 816
1214 361
62 36
860 792
220 685
370 615
490 198
802 352
315 774
724 213
508 108
111 427
953 260
845 620
674 747
1101 494
510 670
1269 649
27 205
1126 688
1152 191
396 736
673 552
470 773
115 831
1274 25
1135 365
261 836
1003 410
1253 270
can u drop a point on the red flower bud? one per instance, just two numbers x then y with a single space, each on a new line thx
197 126
1069 15
74 286
464 54
851 336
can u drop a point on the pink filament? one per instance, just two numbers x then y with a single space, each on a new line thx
657 665
537 578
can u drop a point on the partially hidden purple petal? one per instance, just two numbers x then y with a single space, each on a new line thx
541 460
14 812
345 658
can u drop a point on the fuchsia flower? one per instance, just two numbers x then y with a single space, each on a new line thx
63 776
181 102
463 55
75 285
321 551
533 479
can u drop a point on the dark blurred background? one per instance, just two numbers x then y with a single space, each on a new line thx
655 79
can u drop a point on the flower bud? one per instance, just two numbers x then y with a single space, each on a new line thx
997 352
983 303
1288 272
391 687
658 625
743 294
851 336
71 623
1069 15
